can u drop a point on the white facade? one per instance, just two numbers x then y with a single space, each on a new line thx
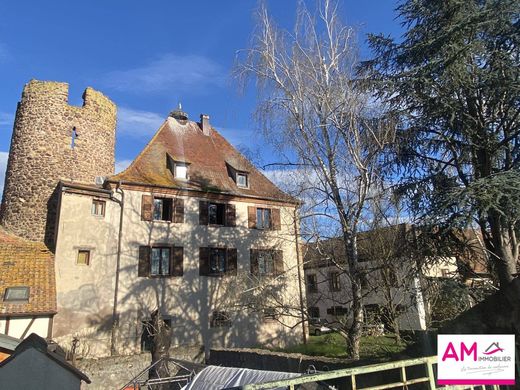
85 293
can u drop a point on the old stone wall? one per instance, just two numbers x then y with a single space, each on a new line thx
53 140
114 372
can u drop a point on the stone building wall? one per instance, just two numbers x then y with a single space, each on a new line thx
43 152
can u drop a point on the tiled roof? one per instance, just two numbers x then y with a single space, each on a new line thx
210 158
31 264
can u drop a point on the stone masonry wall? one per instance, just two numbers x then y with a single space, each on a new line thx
42 153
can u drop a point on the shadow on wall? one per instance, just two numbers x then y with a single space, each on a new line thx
188 302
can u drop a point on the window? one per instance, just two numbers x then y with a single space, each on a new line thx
162 209
242 180
216 213
445 272
314 312
148 333
265 262
217 261
83 257
312 283
263 218
98 208
269 314
160 261
220 319
334 281
337 311
16 294
181 171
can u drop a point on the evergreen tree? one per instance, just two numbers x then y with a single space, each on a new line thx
453 80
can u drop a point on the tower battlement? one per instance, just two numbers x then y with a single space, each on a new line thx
53 140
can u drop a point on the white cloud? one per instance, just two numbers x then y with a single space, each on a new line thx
171 72
6 119
121 165
3 166
137 123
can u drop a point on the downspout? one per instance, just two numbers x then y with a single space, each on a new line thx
121 203
298 262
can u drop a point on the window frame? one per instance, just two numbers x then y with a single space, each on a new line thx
334 281
220 319
312 287
220 211
263 255
222 254
94 208
89 256
269 314
169 215
175 172
246 178
27 294
161 248
261 213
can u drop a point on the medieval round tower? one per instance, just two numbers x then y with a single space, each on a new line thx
53 141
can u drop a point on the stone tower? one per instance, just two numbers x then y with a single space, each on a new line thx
53 141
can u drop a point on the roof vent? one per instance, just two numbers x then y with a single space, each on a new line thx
179 114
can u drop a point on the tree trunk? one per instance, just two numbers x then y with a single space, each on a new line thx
502 254
160 349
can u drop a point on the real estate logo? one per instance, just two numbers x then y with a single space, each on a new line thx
476 359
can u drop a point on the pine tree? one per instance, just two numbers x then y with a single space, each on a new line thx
454 82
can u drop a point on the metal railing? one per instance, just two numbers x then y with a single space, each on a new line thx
355 372
140 380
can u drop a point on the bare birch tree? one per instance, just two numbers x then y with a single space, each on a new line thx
312 108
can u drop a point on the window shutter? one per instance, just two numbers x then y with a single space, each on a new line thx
204 261
278 262
176 268
143 269
275 219
251 217
231 261
253 258
147 208
178 210
231 217
203 212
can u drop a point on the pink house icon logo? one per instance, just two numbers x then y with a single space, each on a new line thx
492 349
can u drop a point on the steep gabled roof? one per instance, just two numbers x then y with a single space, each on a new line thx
211 161
26 264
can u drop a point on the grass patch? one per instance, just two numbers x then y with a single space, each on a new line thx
333 345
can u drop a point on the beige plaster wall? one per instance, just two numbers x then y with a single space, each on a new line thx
85 294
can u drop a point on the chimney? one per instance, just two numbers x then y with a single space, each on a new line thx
204 124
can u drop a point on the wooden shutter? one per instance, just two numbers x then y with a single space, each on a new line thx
177 255
275 219
178 210
253 259
231 261
251 217
147 208
203 212
278 262
231 215
143 269
204 261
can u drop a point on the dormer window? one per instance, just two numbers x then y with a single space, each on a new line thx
242 180
181 171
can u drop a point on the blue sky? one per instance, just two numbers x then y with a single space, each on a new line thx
147 57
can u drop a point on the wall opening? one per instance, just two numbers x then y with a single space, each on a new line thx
73 138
